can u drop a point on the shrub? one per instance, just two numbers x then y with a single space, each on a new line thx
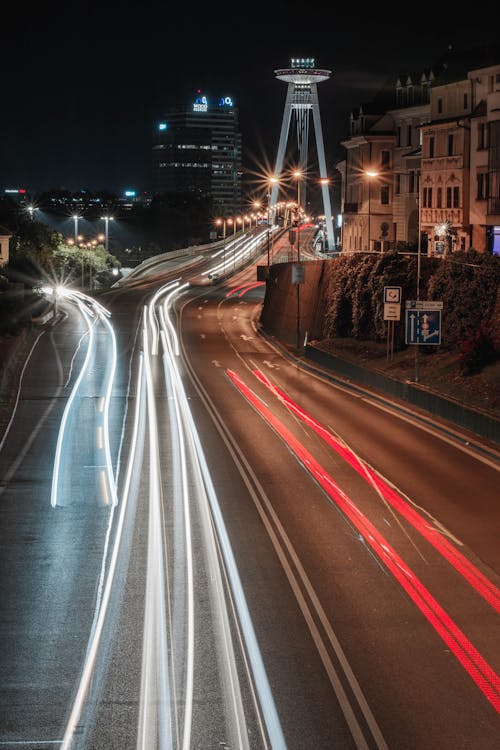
477 352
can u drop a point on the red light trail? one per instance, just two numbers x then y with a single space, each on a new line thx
483 675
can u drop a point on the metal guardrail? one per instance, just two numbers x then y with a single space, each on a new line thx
470 419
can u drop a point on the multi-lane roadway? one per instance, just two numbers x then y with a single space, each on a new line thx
206 545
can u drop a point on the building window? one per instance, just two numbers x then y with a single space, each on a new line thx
482 135
427 197
398 136
466 101
385 159
439 197
397 185
384 195
408 135
482 186
440 106
448 197
450 144
411 181
456 197
431 147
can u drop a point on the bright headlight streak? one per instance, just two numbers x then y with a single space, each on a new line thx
107 401
69 404
153 323
175 388
230 260
170 370
174 385
96 634
266 699
154 722
166 317
228 246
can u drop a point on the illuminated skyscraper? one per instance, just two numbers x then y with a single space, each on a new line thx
302 98
197 148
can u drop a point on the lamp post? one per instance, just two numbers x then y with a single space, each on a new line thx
271 182
371 174
298 176
223 222
75 218
81 245
107 219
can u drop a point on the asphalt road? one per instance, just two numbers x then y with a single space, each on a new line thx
288 563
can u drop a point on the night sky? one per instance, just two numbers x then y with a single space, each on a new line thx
83 84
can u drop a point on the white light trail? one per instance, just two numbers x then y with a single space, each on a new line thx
154 725
69 403
92 651
206 488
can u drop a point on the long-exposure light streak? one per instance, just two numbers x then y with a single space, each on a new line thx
99 312
107 402
175 386
154 722
467 655
178 436
166 305
266 700
246 247
477 580
69 404
153 322
92 651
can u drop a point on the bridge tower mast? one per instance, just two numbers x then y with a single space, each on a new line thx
302 98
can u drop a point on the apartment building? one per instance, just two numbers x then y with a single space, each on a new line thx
422 161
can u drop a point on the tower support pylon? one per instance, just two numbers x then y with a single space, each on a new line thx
301 99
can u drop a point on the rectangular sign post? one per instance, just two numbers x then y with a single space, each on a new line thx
423 322
392 312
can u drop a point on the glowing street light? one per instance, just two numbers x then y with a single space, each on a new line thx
75 218
218 222
271 182
31 210
371 174
298 176
107 219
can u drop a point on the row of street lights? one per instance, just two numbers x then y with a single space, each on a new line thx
106 219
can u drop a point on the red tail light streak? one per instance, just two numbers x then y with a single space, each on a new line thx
467 655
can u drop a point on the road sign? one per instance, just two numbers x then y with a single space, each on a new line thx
392 294
424 304
423 326
392 311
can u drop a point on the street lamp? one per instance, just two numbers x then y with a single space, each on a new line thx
271 181
298 176
371 174
31 210
75 218
218 222
107 219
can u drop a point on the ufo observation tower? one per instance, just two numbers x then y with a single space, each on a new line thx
302 78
